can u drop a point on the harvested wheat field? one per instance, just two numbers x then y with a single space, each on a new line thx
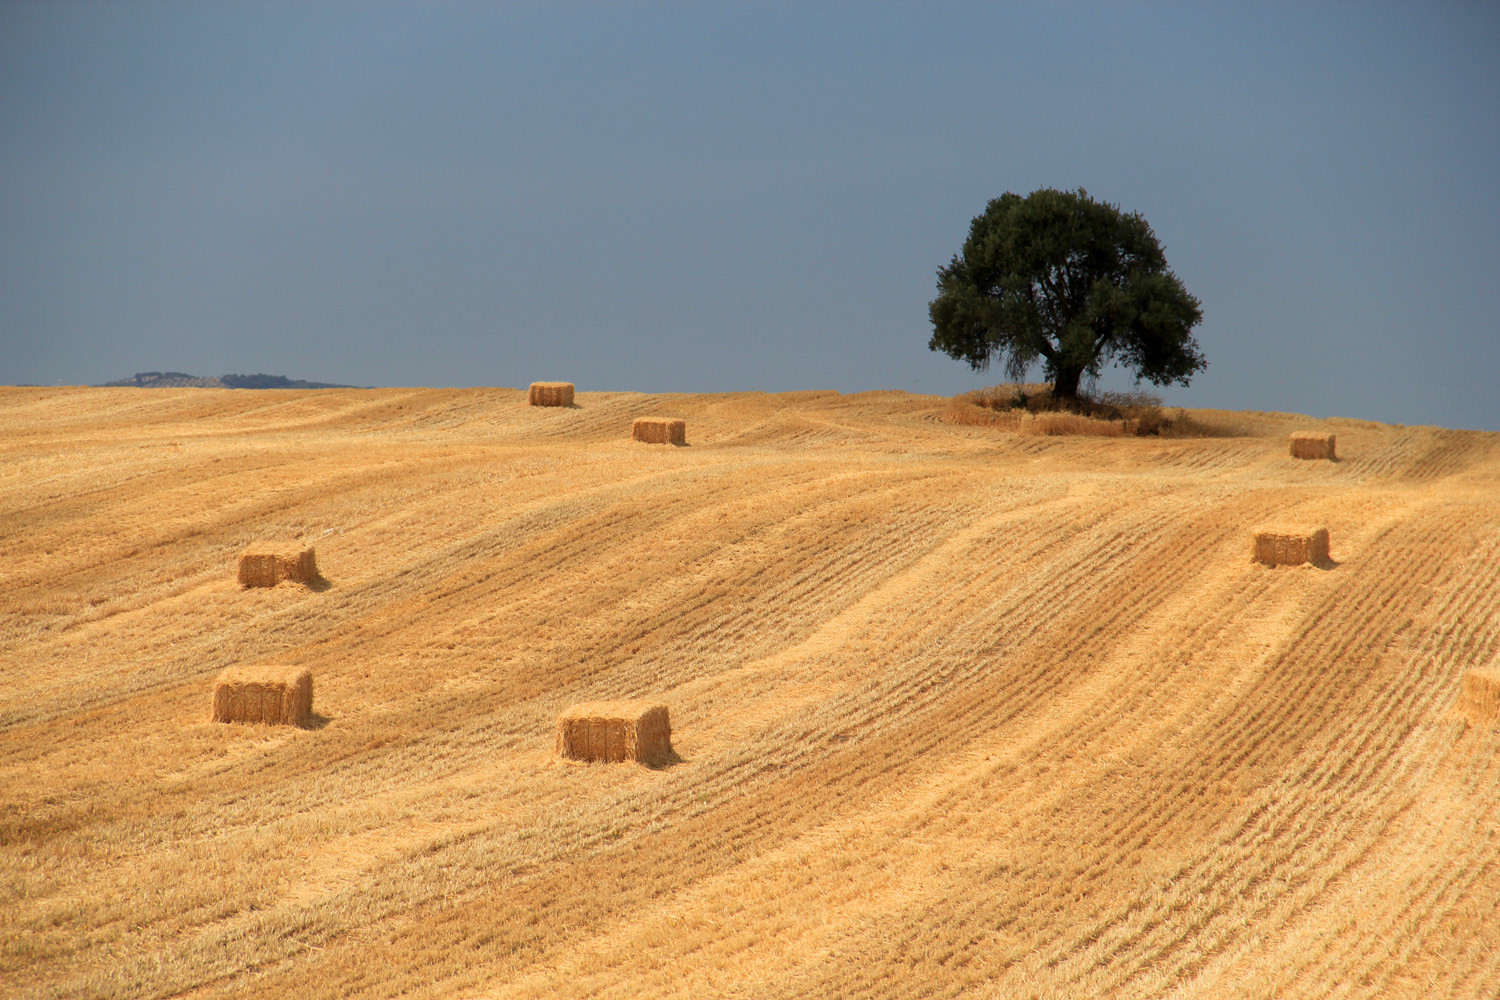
955 710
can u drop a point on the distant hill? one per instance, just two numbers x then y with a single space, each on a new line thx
175 380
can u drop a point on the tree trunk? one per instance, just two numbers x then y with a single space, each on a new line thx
1065 384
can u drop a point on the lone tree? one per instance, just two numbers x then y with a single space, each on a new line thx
1070 280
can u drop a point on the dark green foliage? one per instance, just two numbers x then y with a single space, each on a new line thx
261 381
1076 283
256 381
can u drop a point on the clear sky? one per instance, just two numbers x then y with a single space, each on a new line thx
705 197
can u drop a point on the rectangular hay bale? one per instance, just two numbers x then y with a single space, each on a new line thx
659 430
1307 444
300 566
1282 547
550 394
615 731
274 695
258 569
1479 698
266 567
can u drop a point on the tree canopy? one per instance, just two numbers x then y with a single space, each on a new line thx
1059 277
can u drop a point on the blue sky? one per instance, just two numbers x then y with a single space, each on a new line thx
737 196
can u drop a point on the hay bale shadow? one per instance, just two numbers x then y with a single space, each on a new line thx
315 720
662 762
318 584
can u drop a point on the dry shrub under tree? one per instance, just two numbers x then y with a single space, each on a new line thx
550 394
274 695
659 430
1291 547
1309 444
1032 409
615 730
266 567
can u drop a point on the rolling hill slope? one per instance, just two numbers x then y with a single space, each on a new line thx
960 712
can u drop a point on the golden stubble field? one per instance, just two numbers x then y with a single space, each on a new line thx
959 711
